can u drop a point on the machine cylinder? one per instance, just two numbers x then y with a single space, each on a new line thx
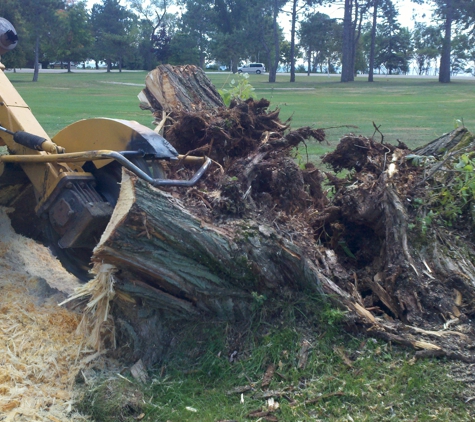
8 36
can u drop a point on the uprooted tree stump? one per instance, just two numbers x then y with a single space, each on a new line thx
258 224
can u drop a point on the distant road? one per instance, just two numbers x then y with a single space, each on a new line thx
321 75
28 70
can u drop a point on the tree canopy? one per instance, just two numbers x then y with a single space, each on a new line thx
366 36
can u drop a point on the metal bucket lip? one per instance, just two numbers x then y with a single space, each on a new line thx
6 31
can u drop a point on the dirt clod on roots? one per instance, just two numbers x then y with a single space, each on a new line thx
402 287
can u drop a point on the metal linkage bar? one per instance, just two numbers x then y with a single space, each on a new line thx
107 155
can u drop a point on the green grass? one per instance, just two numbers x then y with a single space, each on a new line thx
345 376
413 110
59 99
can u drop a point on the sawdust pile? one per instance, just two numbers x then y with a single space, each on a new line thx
40 352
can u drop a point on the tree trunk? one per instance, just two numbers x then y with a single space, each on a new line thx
292 41
373 42
190 267
234 64
275 32
171 88
37 58
347 72
444 72
356 33
174 267
444 143
309 62
175 264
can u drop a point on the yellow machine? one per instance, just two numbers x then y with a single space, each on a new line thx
74 176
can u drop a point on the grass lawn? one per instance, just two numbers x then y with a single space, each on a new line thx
344 378
413 110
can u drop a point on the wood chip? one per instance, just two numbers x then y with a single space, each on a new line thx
360 310
239 390
268 394
324 396
340 352
425 345
139 372
268 376
41 351
305 348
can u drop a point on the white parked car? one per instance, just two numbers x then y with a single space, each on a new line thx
256 68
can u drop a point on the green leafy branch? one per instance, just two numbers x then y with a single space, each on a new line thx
239 89
453 195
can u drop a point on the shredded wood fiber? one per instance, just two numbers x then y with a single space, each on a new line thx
41 352
96 323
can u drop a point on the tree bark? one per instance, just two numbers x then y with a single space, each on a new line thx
444 143
275 32
292 41
373 42
356 33
37 59
444 72
309 62
347 72
190 267
173 263
172 88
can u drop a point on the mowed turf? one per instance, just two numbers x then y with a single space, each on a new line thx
413 110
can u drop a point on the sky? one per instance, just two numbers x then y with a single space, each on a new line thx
406 11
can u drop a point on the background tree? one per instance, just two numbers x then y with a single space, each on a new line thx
10 10
112 25
73 34
162 38
274 63
197 27
320 38
354 12
40 16
427 42
183 49
297 6
285 55
461 52
157 28
447 11
394 47
261 27
375 5
231 41
450 12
